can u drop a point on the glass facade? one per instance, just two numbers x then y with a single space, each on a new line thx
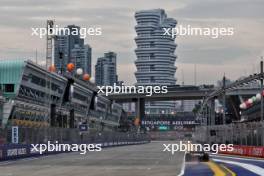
155 54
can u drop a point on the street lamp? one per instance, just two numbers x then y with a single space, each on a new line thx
61 61
261 89
224 100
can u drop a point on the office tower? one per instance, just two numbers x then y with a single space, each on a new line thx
71 48
155 54
188 105
81 57
105 70
61 54
74 39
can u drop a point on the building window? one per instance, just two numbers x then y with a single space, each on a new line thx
9 87
152 67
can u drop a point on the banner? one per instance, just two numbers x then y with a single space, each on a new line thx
250 151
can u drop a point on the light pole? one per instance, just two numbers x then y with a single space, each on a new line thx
61 61
224 100
261 87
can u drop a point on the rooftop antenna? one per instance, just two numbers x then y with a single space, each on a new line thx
49 44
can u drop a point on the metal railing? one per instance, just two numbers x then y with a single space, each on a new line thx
62 135
249 134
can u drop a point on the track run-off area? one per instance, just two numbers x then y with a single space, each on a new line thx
225 165
133 160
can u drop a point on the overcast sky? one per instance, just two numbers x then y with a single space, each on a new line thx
235 56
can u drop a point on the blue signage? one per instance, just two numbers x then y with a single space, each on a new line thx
83 127
15 134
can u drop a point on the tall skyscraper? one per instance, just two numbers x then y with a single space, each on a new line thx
105 70
81 57
61 54
71 48
155 54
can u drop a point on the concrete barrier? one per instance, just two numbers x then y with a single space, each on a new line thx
17 151
250 151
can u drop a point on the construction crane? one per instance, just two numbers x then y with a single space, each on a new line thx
49 44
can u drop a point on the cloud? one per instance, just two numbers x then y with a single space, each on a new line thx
221 9
116 17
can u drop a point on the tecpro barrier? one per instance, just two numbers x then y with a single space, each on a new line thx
250 151
17 151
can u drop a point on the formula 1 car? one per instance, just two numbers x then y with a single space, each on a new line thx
200 156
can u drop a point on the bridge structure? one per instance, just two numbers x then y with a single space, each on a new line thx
174 93
231 96
206 95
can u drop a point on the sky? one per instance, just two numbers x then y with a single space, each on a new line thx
234 56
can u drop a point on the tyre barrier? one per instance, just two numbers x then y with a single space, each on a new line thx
17 151
250 151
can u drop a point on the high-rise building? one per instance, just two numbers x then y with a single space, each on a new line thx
61 54
71 48
188 105
81 57
105 70
74 39
155 54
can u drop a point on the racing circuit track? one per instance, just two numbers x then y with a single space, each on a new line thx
134 160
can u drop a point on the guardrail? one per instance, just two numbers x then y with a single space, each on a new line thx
17 151
27 136
249 151
240 134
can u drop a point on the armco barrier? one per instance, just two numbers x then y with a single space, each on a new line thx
250 151
16 151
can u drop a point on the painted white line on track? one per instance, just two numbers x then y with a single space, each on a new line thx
238 158
256 169
18 160
183 166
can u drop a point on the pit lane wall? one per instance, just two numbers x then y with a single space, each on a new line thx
249 151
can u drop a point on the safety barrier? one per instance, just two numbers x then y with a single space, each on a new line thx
249 151
17 151
28 136
240 134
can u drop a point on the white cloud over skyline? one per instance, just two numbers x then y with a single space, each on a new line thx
235 56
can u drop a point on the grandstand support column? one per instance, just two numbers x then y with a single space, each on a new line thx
204 116
140 108
212 111
224 100
208 115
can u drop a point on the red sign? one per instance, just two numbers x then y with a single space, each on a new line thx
246 151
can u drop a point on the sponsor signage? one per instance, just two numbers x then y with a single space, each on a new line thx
246 151
15 134
16 152
163 128
83 128
167 122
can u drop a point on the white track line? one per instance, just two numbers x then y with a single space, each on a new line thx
239 158
183 166
256 169
3 163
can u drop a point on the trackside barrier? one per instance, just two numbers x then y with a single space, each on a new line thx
17 151
250 151
240 134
